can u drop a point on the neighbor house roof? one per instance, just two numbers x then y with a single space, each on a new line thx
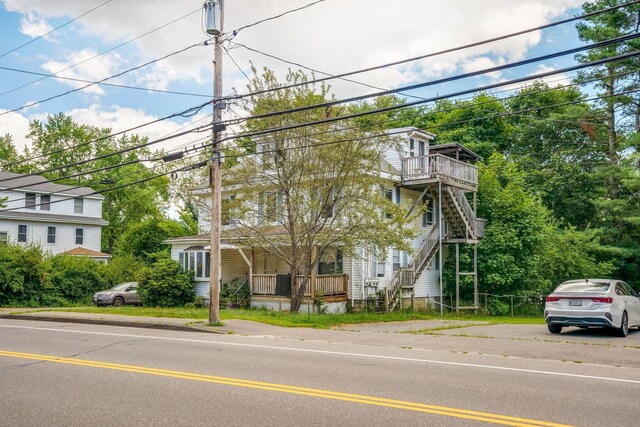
36 183
47 217
456 151
80 251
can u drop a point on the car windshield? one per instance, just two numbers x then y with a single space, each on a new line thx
583 287
121 286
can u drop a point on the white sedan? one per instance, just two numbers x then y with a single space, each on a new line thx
593 302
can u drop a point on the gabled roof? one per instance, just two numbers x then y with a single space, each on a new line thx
40 184
80 251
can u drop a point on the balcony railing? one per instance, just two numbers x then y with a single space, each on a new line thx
326 284
436 166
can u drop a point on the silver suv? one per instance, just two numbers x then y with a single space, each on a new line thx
119 295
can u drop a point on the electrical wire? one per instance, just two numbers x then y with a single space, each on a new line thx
31 104
101 83
441 52
105 51
185 113
237 30
54 29
452 78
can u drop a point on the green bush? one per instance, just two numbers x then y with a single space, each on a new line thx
495 307
24 279
165 284
75 279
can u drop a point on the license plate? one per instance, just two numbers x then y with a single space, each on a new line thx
575 302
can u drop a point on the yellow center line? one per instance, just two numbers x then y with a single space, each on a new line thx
304 391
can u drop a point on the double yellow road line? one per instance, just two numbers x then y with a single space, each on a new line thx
304 391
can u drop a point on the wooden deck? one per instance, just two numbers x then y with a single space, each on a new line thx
325 285
420 170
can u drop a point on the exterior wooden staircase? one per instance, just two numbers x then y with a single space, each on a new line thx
462 224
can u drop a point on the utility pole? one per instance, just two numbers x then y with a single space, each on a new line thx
215 12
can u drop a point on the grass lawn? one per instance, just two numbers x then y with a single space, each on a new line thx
320 321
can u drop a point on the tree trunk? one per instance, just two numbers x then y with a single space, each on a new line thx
612 154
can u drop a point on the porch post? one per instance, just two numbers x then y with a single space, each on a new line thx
457 277
250 269
312 279
440 242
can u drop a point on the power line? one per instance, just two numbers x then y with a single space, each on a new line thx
237 30
141 181
203 146
456 77
101 83
441 52
105 51
185 113
103 80
361 114
115 153
55 29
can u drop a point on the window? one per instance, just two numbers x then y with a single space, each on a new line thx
22 233
196 260
79 236
388 194
4 237
51 235
30 201
412 147
78 205
227 210
378 264
427 215
330 263
396 260
45 202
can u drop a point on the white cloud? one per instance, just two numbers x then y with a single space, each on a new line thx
92 70
332 36
34 25
18 126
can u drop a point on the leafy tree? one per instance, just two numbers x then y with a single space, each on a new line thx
144 240
308 191
165 284
121 207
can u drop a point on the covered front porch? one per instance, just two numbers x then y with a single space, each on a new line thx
266 276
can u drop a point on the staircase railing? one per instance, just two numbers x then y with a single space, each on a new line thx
465 210
423 255
401 277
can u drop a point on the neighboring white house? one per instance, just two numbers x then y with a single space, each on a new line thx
418 174
58 218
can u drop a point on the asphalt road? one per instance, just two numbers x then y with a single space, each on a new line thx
55 374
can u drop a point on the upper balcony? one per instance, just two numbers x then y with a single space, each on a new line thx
421 170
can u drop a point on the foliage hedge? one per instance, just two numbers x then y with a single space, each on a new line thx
165 284
31 279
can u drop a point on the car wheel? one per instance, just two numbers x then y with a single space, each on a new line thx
118 302
555 329
623 330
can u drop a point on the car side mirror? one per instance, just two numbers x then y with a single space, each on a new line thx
129 289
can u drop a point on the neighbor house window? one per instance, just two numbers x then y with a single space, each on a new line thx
45 202
22 233
396 260
51 235
378 264
79 236
4 237
78 205
30 201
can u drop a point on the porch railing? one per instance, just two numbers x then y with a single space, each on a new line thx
326 284
436 165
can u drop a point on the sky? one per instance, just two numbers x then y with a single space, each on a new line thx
332 36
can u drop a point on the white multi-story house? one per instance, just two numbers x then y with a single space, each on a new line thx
58 218
442 178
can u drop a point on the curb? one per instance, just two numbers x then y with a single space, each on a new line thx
121 323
